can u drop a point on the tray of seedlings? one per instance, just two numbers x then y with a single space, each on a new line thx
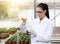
23 39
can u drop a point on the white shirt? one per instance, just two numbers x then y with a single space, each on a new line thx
43 31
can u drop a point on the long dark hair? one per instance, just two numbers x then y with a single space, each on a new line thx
44 7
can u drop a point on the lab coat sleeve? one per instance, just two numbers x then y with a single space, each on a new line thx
30 29
29 26
46 37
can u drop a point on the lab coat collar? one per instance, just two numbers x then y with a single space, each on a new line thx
38 19
44 19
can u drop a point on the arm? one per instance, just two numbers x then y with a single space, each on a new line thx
30 29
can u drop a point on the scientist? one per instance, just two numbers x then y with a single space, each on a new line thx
41 28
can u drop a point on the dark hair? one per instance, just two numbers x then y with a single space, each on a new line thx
44 7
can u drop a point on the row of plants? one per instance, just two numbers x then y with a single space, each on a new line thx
8 30
23 39
3 36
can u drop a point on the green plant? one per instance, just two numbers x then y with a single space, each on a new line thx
14 39
3 36
13 29
6 30
3 30
22 38
26 38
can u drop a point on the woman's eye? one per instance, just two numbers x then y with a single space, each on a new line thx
39 11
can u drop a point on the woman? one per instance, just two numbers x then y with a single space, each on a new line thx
41 28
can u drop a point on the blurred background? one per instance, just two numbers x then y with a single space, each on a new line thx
11 11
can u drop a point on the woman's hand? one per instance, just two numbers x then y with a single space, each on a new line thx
31 31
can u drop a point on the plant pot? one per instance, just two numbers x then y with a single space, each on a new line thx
25 42
6 36
0 32
22 42
6 42
19 42
0 37
28 42
3 37
11 32
14 42
10 42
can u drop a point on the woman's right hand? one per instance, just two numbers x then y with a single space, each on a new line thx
32 31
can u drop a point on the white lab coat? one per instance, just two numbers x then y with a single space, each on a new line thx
42 31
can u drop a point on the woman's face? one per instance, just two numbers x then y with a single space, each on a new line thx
40 12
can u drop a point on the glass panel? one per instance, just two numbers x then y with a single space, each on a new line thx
11 14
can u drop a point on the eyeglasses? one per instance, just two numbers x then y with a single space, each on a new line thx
39 11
